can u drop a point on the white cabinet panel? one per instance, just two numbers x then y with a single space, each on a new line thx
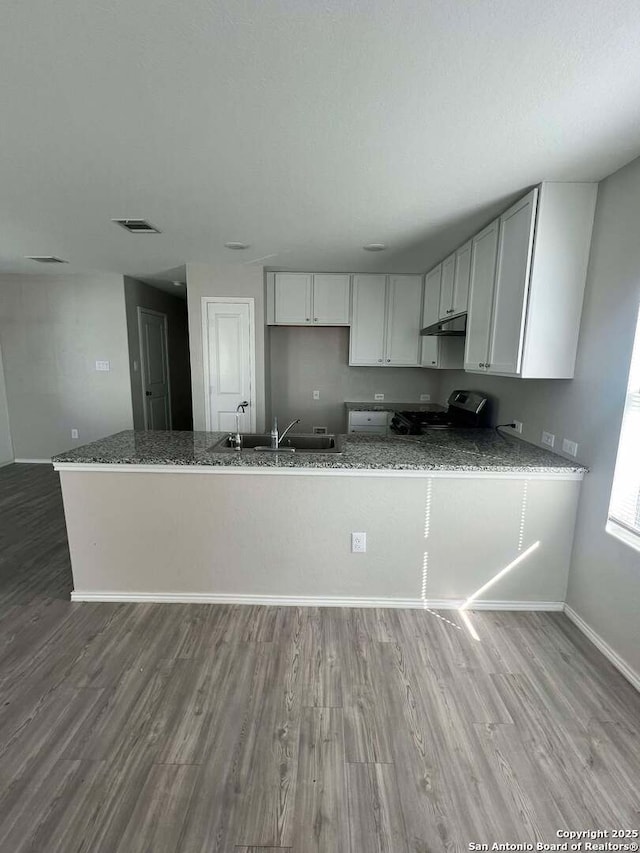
293 298
373 423
331 299
430 347
367 338
404 319
431 309
483 269
446 287
511 286
461 279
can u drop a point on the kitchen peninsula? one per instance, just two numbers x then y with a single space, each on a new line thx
159 516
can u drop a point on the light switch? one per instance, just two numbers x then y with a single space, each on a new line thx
103 365
316 395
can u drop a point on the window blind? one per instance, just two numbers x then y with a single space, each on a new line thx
624 509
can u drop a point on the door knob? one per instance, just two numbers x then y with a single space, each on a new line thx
148 393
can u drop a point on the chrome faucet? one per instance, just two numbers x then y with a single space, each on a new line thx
239 411
276 438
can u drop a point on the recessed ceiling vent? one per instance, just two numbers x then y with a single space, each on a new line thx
137 226
46 259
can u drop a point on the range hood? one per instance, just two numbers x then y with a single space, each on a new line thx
456 327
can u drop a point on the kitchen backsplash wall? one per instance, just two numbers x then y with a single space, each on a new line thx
304 359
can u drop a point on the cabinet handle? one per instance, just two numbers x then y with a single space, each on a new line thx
487 366
388 360
315 319
379 361
480 364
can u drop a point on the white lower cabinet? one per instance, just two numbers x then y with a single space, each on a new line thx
371 422
386 321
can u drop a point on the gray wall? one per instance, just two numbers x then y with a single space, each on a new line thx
284 534
52 331
224 280
137 294
6 447
604 581
305 358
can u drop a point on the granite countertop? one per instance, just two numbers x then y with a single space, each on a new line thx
382 406
438 450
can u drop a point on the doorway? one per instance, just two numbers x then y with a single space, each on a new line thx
154 367
228 339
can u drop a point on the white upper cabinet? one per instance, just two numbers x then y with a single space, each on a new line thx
515 243
331 296
404 318
446 287
484 247
461 280
303 299
437 352
528 272
368 320
386 321
293 298
431 310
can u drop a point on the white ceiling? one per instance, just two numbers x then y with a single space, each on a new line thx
303 127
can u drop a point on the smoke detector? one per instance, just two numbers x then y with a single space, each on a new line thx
137 226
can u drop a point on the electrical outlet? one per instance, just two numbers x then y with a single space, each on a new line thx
358 543
425 398
548 438
74 433
378 397
319 430
517 426
103 365
569 447
316 395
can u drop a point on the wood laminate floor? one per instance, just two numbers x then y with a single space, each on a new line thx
191 729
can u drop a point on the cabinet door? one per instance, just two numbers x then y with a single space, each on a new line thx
368 316
461 279
446 287
293 298
430 350
431 310
484 248
331 299
404 320
515 246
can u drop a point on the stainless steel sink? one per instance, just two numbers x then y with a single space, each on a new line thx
261 443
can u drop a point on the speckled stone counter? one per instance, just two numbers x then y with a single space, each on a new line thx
438 451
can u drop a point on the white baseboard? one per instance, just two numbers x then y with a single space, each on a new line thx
9 462
34 461
309 601
620 663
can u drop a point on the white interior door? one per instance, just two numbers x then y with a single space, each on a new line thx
154 364
229 362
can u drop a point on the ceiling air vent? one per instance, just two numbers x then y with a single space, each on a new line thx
137 226
46 259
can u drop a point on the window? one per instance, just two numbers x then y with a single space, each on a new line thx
624 509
